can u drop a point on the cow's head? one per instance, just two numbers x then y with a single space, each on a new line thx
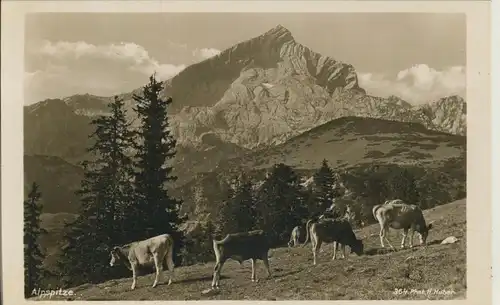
424 233
115 256
358 247
290 243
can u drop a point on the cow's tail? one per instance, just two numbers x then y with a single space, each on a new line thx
307 233
375 209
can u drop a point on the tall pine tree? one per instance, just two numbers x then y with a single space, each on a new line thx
281 204
107 199
244 210
155 148
224 221
238 210
33 256
323 190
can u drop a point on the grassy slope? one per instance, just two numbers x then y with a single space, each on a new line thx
352 141
373 276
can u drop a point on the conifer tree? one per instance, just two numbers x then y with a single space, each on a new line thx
106 194
243 205
154 150
225 222
281 204
324 181
33 256
403 186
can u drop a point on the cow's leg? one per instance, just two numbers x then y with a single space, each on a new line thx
133 266
316 248
411 232
265 259
170 264
343 250
334 250
254 263
158 267
217 270
313 244
403 241
384 233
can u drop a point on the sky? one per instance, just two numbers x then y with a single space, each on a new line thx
419 57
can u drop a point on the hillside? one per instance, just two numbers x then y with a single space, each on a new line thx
350 144
352 141
58 181
345 143
373 276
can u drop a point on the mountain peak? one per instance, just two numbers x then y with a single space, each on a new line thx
280 33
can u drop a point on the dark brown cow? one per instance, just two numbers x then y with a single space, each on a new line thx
338 231
241 247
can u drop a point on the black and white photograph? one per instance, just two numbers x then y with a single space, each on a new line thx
245 156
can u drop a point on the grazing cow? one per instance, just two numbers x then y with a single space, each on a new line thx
338 231
241 247
295 237
398 215
146 252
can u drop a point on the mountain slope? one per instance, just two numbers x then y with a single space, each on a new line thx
52 128
58 182
276 51
373 276
352 141
345 143
348 144
448 114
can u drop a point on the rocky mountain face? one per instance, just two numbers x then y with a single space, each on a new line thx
447 114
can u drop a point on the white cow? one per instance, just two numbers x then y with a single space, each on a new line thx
399 215
146 252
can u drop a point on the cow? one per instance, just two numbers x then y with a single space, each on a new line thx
398 215
155 250
295 237
240 247
338 231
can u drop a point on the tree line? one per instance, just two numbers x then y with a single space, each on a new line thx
280 202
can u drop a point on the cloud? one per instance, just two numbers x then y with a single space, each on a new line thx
129 53
418 84
206 53
63 68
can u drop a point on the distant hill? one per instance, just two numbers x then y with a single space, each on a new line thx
58 182
351 141
347 143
